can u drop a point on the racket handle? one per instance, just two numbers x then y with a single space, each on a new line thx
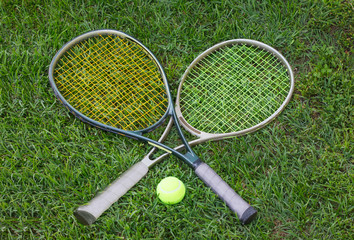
244 211
88 213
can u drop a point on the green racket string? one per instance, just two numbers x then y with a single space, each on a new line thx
234 88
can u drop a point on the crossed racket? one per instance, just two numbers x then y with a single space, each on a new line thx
112 81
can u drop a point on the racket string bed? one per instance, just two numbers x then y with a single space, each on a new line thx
129 92
250 88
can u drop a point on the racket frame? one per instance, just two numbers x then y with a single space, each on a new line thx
205 136
190 157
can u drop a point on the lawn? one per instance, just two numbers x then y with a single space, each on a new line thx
297 171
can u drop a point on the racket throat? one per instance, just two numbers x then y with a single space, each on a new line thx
192 160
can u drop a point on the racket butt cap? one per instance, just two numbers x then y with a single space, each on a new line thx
248 215
84 217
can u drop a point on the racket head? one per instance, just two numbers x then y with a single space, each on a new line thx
112 81
233 88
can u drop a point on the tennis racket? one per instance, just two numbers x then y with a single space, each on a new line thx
110 80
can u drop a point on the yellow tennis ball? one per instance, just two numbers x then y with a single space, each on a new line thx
171 190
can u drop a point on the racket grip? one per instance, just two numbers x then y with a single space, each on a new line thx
88 213
245 212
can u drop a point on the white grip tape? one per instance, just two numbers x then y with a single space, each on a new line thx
88 213
222 189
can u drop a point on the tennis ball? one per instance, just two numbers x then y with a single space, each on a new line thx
171 190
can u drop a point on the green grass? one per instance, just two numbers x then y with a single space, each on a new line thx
298 171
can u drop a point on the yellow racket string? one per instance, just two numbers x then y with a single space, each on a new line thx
112 80
234 88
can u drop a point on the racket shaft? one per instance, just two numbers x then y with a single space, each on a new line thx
88 214
244 211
